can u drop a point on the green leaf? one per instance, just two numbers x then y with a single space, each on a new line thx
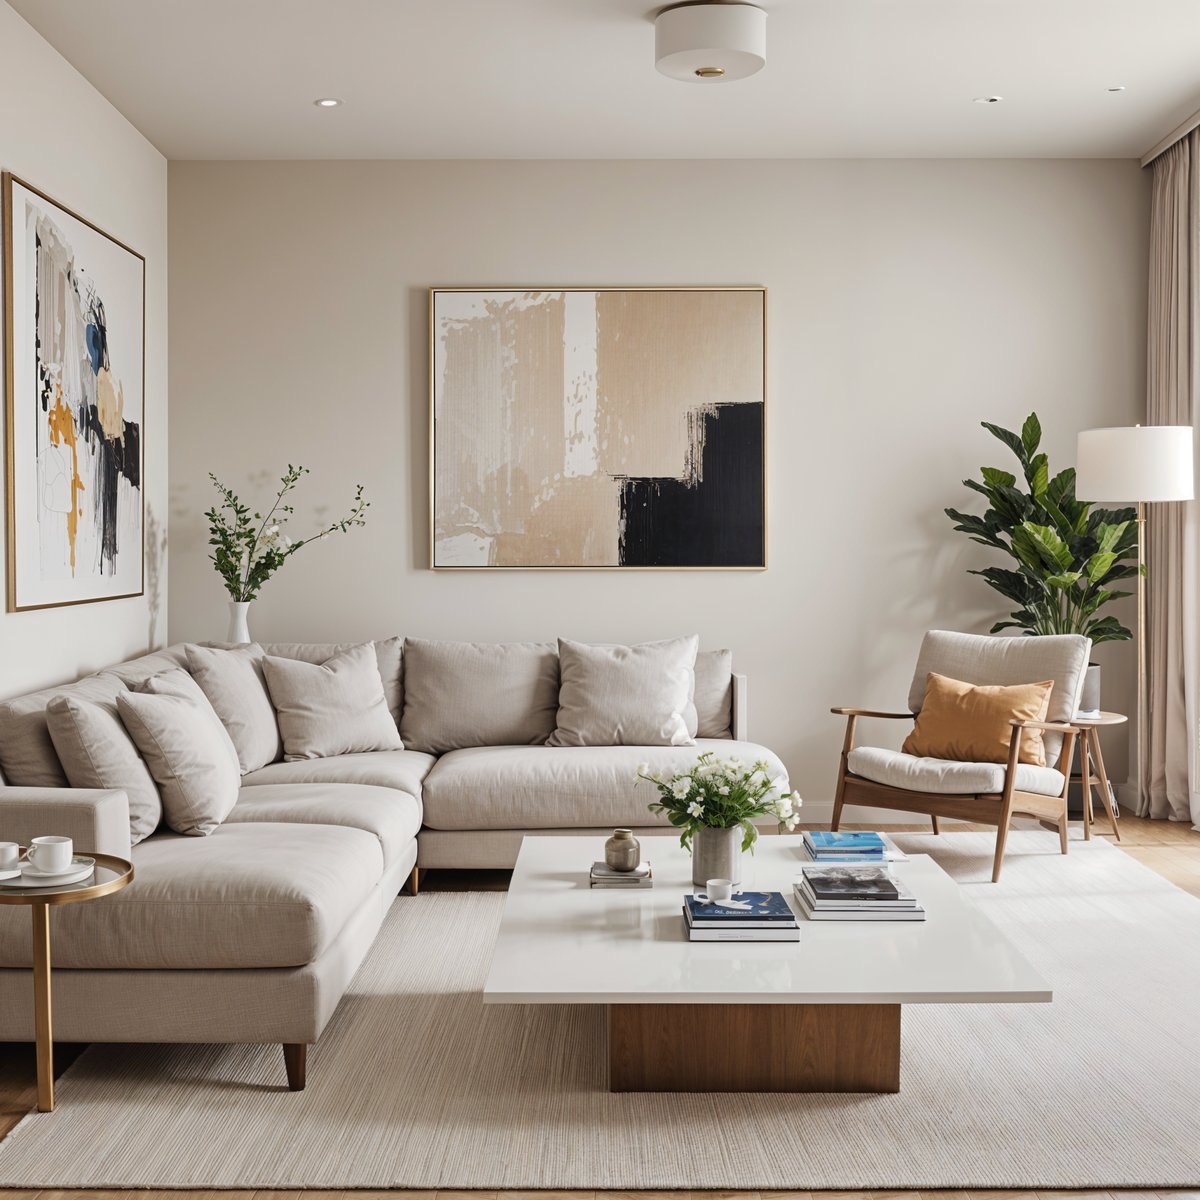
1036 544
1031 434
1010 439
1037 475
993 477
1064 581
1099 565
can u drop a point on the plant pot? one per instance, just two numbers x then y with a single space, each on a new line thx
1089 698
716 854
239 625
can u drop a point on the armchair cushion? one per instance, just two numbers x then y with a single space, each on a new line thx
975 658
943 777
973 723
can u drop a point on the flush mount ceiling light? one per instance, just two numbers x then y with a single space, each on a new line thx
988 99
710 43
328 102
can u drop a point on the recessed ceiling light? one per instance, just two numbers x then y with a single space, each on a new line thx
1117 89
988 99
328 102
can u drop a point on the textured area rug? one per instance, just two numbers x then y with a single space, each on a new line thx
417 1084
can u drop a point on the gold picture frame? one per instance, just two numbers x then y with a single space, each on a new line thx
99 266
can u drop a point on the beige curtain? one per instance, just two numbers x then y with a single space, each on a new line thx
1169 769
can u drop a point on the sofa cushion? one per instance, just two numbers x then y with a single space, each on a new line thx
96 751
627 695
943 777
459 694
392 816
714 694
251 895
334 707
388 657
404 770
136 671
233 682
27 753
188 753
542 787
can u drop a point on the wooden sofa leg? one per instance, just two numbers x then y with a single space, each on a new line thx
1001 838
937 825
414 881
295 1059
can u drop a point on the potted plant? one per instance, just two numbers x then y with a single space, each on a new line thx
248 548
714 806
1067 554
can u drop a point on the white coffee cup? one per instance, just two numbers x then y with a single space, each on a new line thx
50 854
10 855
719 890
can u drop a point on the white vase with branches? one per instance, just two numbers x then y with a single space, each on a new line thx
249 547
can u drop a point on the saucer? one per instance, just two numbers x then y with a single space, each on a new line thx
77 863
82 870
10 873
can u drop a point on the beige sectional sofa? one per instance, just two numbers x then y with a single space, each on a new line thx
252 933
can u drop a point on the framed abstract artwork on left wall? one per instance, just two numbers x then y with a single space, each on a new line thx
74 316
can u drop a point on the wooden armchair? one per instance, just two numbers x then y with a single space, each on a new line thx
991 793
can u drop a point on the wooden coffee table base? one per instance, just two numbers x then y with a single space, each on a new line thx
754 1047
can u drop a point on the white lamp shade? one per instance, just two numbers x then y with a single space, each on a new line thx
710 43
1134 463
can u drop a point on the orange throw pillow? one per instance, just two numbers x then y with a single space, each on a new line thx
966 723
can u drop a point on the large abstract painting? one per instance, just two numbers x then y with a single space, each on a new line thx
75 317
606 427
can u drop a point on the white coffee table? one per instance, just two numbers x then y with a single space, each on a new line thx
821 1015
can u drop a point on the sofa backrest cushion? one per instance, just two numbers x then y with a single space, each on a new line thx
627 695
330 708
982 659
136 671
463 694
96 751
234 683
714 694
187 750
388 657
27 752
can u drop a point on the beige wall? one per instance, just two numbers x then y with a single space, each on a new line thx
58 134
908 301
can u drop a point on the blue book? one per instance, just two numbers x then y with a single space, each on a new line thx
745 906
860 842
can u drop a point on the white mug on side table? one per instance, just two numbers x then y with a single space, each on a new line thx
10 856
51 855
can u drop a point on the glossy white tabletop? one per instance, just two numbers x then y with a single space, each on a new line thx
562 942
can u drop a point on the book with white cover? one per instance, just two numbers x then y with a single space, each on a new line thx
875 913
782 934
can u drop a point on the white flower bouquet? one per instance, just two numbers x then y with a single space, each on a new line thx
722 793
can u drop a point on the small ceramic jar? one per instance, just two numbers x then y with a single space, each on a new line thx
622 851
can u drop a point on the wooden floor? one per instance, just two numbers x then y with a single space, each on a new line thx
1171 849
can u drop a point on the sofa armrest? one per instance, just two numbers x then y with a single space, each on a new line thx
739 725
93 819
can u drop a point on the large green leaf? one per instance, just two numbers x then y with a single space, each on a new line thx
1037 475
1031 434
1010 439
1040 544
995 478
1014 585
1099 565
1066 580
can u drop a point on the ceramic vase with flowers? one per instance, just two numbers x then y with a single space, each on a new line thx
248 547
714 805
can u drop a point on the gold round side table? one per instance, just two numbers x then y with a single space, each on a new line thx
111 875
1090 757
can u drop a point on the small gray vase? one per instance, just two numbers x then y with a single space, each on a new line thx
717 854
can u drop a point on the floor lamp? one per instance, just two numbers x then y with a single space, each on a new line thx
1142 464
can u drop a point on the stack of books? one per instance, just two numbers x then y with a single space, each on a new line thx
603 876
747 917
845 847
854 892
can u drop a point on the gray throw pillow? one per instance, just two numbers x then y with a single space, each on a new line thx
235 686
460 694
627 695
331 708
96 752
188 753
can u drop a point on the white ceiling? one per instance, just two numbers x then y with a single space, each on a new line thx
576 78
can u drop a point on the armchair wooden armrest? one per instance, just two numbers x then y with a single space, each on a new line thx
1045 726
871 712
